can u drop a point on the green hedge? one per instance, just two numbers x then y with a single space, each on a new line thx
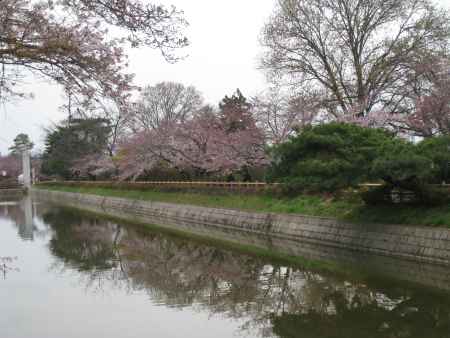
336 156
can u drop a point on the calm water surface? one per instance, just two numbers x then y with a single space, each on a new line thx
79 276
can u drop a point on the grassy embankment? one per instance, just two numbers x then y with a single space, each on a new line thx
349 208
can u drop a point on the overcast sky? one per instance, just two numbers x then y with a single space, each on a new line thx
223 56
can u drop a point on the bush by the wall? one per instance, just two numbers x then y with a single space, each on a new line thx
401 165
407 171
437 149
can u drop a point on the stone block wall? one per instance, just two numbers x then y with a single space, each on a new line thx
417 243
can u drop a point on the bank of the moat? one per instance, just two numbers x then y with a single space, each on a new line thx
399 251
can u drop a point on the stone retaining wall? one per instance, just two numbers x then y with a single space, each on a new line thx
420 244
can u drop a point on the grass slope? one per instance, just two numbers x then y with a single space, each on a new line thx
349 208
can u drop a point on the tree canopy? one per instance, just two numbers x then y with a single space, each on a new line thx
66 145
68 42
327 157
164 103
364 57
21 141
206 142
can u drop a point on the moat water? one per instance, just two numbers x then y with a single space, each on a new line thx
71 274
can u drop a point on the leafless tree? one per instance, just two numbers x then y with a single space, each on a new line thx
118 114
357 52
279 112
164 103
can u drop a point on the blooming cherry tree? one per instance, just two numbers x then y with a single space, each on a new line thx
67 41
203 144
431 115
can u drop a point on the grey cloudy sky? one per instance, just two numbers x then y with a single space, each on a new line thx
222 57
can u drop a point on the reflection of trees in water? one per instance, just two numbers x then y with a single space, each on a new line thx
417 317
87 245
10 210
290 302
6 265
21 211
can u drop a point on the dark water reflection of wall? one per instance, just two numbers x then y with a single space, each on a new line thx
278 300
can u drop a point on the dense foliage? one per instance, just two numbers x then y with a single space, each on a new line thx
68 144
327 157
335 156
401 164
21 142
437 149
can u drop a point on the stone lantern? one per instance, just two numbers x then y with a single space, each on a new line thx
26 164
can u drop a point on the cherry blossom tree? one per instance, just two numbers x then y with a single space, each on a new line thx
208 144
94 166
431 115
143 151
205 143
67 41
